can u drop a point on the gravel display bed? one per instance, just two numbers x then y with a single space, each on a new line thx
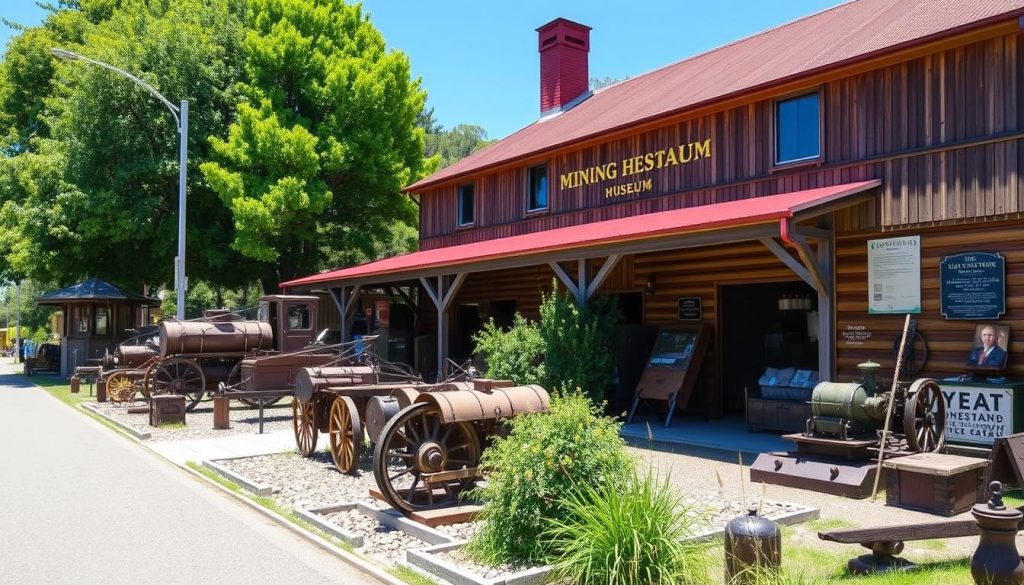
199 422
380 542
303 482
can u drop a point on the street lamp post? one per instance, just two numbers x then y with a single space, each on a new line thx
181 119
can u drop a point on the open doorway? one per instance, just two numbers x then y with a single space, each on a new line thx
764 325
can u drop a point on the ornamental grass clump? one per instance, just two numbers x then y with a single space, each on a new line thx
620 533
544 457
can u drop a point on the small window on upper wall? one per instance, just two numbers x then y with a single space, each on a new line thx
465 203
797 129
537 188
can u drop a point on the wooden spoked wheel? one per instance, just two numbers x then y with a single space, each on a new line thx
421 461
345 434
304 425
924 416
120 387
180 376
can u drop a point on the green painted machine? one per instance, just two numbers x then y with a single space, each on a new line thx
850 410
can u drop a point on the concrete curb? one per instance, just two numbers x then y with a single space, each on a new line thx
353 560
315 517
797 517
248 484
426 560
141 435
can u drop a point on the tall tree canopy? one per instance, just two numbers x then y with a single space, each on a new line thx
455 144
324 139
302 133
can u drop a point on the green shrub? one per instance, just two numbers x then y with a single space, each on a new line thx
625 534
538 464
516 354
578 343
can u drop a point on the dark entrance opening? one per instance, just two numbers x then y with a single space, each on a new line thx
632 348
763 326
467 322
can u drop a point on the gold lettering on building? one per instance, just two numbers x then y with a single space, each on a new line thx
641 186
634 165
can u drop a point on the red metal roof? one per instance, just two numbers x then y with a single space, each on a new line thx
845 33
650 225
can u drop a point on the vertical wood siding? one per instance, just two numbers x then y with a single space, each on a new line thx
942 132
949 342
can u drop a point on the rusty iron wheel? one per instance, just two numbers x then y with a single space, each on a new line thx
180 376
417 442
924 417
304 425
345 432
120 387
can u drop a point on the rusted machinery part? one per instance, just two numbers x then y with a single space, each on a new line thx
379 410
179 376
304 425
311 380
345 434
120 387
198 337
478 405
421 461
924 416
133 356
235 383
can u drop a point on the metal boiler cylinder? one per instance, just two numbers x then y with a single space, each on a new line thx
199 337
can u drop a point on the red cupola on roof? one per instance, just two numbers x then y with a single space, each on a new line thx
564 74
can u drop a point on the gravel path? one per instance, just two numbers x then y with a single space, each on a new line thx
309 483
199 422
380 542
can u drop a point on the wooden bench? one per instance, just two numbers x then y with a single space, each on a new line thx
885 542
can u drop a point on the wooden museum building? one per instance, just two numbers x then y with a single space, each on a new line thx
796 192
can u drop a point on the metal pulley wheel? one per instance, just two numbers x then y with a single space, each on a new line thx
421 461
924 416
179 376
120 387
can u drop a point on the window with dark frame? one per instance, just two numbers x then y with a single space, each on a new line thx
298 317
798 129
466 201
102 326
537 188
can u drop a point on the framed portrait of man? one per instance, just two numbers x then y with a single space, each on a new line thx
990 348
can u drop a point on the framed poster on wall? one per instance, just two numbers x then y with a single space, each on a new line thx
894 275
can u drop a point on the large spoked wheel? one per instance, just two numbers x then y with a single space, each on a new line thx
345 434
924 416
120 387
180 376
304 425
422 462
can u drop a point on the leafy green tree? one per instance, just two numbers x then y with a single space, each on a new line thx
323 142
455 144
90 183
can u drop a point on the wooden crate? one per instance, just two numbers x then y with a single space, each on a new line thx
931 482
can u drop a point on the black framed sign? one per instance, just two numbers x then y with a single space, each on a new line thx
973 285
690 309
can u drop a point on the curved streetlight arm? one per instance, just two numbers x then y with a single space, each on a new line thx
72 56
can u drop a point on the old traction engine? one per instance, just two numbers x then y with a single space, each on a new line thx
193 357
852 410
428 438
851 426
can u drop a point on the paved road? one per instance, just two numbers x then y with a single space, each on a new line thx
80 504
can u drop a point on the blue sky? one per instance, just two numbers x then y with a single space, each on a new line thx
479 61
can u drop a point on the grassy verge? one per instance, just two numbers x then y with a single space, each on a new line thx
60 389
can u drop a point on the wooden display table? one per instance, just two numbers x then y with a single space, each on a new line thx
936 483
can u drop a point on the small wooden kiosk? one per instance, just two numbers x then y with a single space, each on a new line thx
97 316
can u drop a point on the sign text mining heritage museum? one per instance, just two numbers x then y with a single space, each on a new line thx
634 165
